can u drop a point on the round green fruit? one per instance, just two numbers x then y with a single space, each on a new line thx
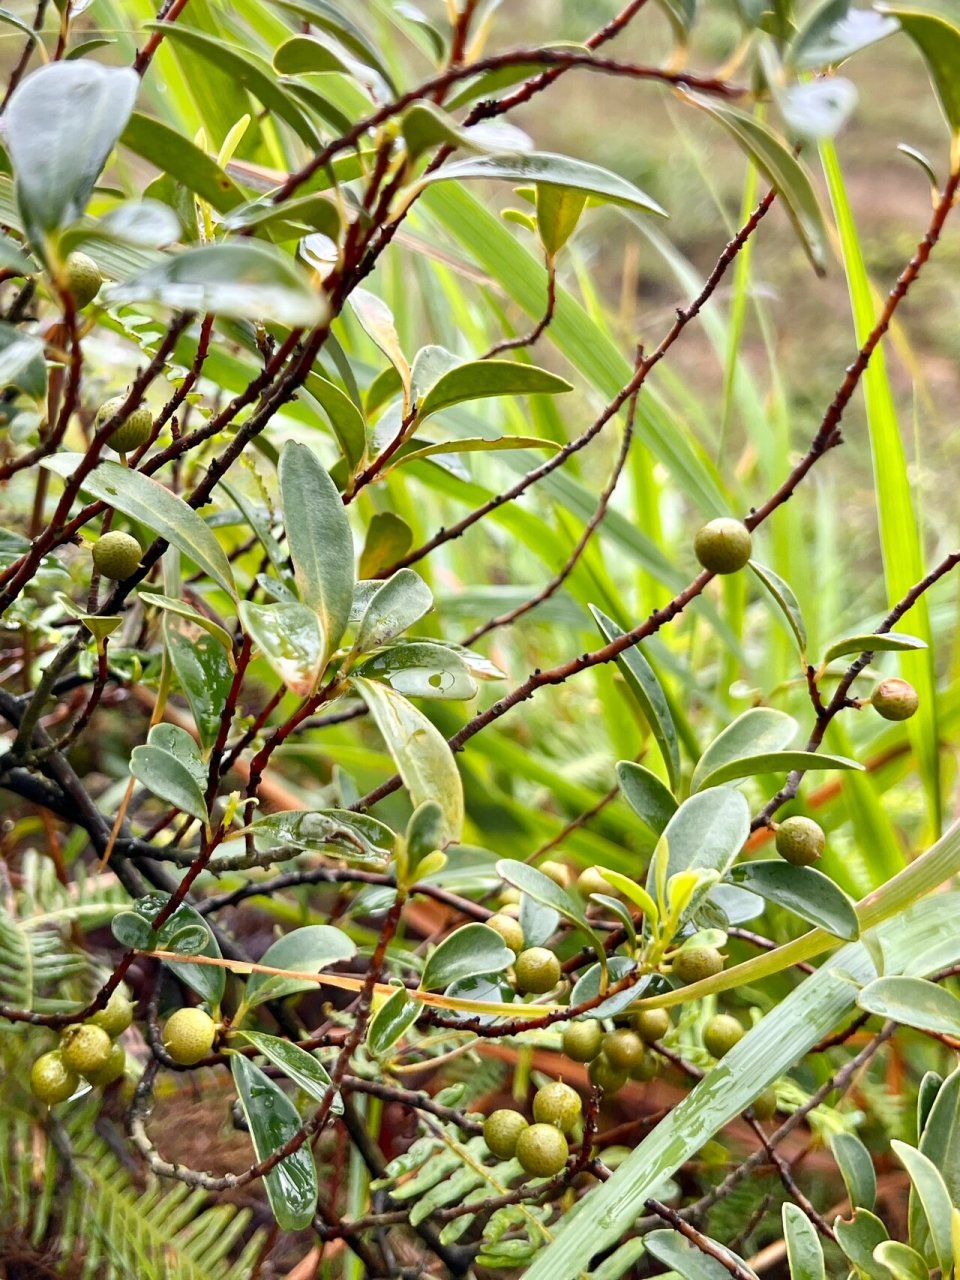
693 964
558 872
117 555
112 1069
723 545
603 1073
501 1129
651 1024
721 1033
895 699
188 1036
537 970
765 1107
117 1016
582 1040
646 1068
51 1080
592 881
82 278
132 432
542 1150
557 1104
623 1049
85 1048
800 840
509 930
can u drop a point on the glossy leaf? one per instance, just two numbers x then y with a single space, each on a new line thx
167 777
775 762
643 684
761 730
649 798
867 642
914 1002
291 638
345 418
421 754
394 607
691 1263
356 837
805 891
392 1020
541 888
425 125
419 669
303 1068
833 31
470 444
856 1167
182 610
61 125
934 27
858 1238
273 1120
131 930
468 952
931 1192
173 154
902 1262
308 950
147 501
208 981
204 674
804 1251
784 597
376 319
558 212
480 379
247 280
707 831
320 541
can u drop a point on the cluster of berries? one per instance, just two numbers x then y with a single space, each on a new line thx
88 1049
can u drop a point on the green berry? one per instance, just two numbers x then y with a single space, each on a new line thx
82 278
51 1080
582 1040
592 881
558 872
800 840
509 930
112 1070
117 555
895 699
117 1015
510 897
623 1049
501 1129
602 1072
721 1033
189 1035
646 1068
692 964
132 432
557 1104
537 970
85 1048
651 1024
542 1150
765 1107
723 546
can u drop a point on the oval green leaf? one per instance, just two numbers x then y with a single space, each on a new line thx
757 731
303 1068
469 952
308 950
913 1002
290 636
805 891
650 799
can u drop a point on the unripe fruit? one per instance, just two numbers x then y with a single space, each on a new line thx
189 1035
582 1040
501 1129
82 277
112 1069
602 1072
132 432
895 699
651 1024
509 930
646 1068
542 1150
692 964
723 545
765 1107
51 1080
510 897
591 881
537 970
800 840
558 872
117 1015
557 1104
623 1049
85 1048
117 555
721 1034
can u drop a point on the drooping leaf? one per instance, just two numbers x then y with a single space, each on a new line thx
291 638
182 610
775 762
805 891
541 888
647 796
308 950
468 952
759 731
273 1120
204 674
914 1002
303 1068
480 379
884 642
786 600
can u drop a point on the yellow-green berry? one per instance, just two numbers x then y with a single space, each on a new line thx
82 278
537 971
592 881
623 1049
582 1040
116 1016
85 1048
723 545
51 1080
509 930
693 964
542 1150
188 1036
646 1068
117 555
558 872
800 840
721 1033
765 1107
602 1072
501 1129
556 1103
895 699
129 434
651 1024
112 1069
